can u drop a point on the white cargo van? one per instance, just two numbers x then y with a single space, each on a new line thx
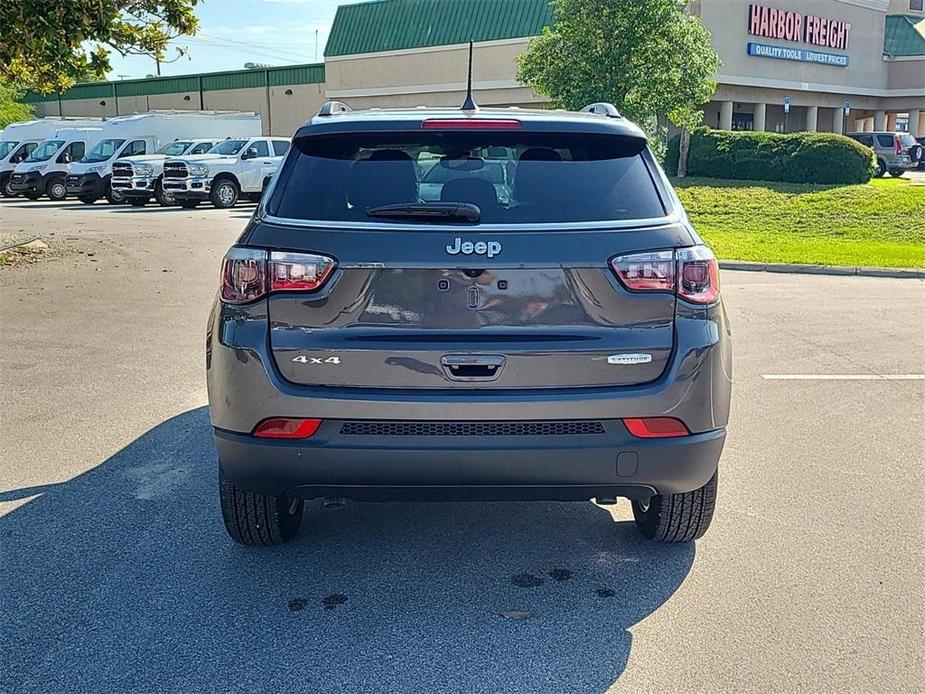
127 137
19 139
44 170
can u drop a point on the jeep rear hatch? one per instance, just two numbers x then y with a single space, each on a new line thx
565 277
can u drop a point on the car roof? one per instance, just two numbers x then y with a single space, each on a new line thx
410 119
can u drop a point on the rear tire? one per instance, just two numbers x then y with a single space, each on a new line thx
258 519
677 517
56 190
225 193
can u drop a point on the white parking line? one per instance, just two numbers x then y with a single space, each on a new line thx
843 377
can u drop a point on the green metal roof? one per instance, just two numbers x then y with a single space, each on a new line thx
904 36
210 81
390 25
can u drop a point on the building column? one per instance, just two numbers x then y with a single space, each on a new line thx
891 122
812 118
725 115
916 123
880 120
760 117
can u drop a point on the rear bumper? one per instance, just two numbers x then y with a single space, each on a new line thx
563 468
86 185
245 387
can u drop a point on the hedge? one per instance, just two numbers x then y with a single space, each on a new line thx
792 158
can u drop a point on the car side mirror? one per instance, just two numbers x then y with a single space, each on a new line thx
249 153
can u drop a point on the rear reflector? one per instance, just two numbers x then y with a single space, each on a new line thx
287 428
475 123
656 427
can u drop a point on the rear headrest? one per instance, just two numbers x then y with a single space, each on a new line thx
477 191
373 183
531 179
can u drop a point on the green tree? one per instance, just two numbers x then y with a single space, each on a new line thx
650 58
11 107
49 44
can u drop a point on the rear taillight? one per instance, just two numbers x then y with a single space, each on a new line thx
287 428
690 273
297 272
248 274
899 144
655 427
646 271
698 275
244 275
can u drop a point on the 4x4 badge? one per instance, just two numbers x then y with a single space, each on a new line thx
486 248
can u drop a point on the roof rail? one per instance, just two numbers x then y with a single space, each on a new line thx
602 108
332 108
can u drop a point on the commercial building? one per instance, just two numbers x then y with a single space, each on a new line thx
787 65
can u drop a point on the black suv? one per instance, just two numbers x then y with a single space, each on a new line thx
483 304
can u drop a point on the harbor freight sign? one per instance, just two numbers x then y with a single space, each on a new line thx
783 25
763 50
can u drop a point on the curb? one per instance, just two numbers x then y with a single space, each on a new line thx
798 269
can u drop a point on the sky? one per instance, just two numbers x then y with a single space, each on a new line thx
234 32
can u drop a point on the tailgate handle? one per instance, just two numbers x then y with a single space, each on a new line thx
469 367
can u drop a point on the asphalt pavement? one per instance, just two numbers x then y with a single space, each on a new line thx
117 575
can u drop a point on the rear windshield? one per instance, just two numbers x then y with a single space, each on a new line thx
512 178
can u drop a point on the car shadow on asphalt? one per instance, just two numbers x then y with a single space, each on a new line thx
123 579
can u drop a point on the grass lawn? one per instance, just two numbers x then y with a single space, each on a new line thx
880 224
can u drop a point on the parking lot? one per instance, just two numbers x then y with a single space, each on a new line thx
117 574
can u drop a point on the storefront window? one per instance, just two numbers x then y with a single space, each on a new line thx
916 5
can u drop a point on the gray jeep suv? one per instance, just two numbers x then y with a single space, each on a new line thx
538 321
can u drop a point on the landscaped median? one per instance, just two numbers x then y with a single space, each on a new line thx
876 224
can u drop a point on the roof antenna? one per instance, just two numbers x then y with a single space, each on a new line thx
469 104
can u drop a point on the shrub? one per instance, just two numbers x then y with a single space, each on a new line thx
792 158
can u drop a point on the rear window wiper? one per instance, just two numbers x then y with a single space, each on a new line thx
437 210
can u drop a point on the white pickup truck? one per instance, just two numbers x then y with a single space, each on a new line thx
231 169
138 178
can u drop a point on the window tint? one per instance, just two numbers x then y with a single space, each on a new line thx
174 149
262 149
530 178
916 5
134 148
75 152
865 140
885 140
201 148
280 147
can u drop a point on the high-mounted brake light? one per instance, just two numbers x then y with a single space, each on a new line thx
247 273
690 273
287 428
655 427
474 123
